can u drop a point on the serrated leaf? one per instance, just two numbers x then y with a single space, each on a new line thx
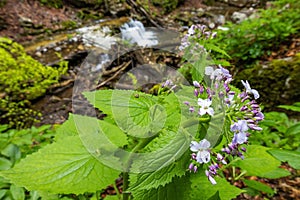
292 157
202 189
134 112
68 128
62 167
158 167
176 190
258 162
259 186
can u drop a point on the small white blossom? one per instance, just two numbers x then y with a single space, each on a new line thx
205 107
203 155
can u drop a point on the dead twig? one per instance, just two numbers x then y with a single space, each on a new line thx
121 68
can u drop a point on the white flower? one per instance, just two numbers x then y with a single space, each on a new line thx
249 90
205 107
203 155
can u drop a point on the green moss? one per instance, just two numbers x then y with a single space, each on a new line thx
278 83
22 79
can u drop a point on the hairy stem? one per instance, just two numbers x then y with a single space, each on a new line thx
138 147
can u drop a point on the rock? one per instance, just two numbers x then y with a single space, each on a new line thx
57 49
38 54
238 17
220 19
238 3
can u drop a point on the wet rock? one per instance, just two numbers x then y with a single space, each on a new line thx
238 17
38 54
238 3
57 49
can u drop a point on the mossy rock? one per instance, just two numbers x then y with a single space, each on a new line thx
278 82
22 79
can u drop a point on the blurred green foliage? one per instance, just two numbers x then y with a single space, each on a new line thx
22 79
14 145
279 131
261 34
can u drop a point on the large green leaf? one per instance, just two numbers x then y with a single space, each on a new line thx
167 159
136 113
258 162
62 167
202 189
292 157
178 189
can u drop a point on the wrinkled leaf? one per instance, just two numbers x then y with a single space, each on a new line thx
62 167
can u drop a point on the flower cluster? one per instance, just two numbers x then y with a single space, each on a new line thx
242 113
198 32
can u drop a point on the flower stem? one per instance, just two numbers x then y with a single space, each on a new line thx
138 147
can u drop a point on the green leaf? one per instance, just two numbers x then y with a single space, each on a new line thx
259 186
176 190
62 167
134 112
202 189
5 164
295 108
68 128
258 162
292 157
293 130
2 193
215 196
165 160
277 173
17 193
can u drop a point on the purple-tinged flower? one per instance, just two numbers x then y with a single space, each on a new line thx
214 35
205 107
201 89
186 103
203 155
167 83
196 84
192 109
254 127
239 138
225 72
259 116
195 169
243 149
239 126
210 178
196 92
249 90
191 30
244 108
191 166
226 150
220 158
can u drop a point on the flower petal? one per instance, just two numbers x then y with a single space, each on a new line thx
194 146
